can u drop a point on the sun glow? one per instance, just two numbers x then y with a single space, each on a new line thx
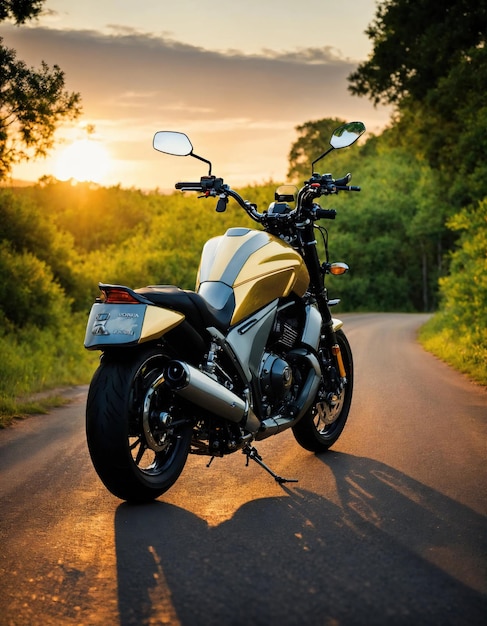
84 160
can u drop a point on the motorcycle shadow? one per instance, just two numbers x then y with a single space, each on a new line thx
384 550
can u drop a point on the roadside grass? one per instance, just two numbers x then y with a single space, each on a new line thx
465 349
12 409
35 361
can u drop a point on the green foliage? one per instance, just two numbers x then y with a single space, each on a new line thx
416 44
463 349
35 264
449 130
93 215
458 333
28 293
36 358
29 227
464 290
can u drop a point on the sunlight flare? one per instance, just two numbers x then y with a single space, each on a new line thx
84 160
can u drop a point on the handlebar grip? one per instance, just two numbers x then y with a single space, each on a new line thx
195 186
325 214
348 188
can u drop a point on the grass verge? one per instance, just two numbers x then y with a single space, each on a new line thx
20 409
41 360
464 348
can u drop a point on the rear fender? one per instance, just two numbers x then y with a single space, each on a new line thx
111 324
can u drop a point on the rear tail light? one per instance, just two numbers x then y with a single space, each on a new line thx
118 295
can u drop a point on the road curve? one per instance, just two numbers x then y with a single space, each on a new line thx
388 528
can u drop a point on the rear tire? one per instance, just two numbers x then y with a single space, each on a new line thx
318 430
134 448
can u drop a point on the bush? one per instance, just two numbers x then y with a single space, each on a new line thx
458 334
34 359
28 291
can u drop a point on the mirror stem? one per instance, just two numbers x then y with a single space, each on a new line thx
204 161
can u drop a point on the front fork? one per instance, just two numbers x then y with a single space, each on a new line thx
333 347
317 282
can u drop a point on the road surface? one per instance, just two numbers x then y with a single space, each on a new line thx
387 528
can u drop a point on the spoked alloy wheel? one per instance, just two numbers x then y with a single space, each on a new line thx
320 428
137 443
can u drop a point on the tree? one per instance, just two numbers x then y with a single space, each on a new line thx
20 10
430 60
416 44
32 102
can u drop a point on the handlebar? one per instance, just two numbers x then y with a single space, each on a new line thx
211 186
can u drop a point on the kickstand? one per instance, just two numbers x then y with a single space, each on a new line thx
251 453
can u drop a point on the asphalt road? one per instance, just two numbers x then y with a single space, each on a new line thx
389 527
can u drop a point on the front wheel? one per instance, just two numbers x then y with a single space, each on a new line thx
321 426
137 441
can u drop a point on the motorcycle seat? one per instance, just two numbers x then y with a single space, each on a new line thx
194 307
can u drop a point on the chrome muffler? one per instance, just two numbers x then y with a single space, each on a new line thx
197 387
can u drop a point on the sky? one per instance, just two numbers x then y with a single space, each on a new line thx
236 77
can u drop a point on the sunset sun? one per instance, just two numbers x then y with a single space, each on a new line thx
84 160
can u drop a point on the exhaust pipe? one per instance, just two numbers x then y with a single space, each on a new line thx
195 386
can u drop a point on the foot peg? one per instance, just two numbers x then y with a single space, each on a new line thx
251 453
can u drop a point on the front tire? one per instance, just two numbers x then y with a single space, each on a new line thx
137 442
321 426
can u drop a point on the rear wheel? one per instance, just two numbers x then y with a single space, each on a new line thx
321 426
137 441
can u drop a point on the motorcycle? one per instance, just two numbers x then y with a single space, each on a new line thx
252 352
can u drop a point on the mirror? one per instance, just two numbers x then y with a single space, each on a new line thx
347 134
176 144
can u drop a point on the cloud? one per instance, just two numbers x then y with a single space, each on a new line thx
140 82
160 72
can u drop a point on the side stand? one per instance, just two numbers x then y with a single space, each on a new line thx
251 453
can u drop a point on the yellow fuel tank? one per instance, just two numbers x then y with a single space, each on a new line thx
257 266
